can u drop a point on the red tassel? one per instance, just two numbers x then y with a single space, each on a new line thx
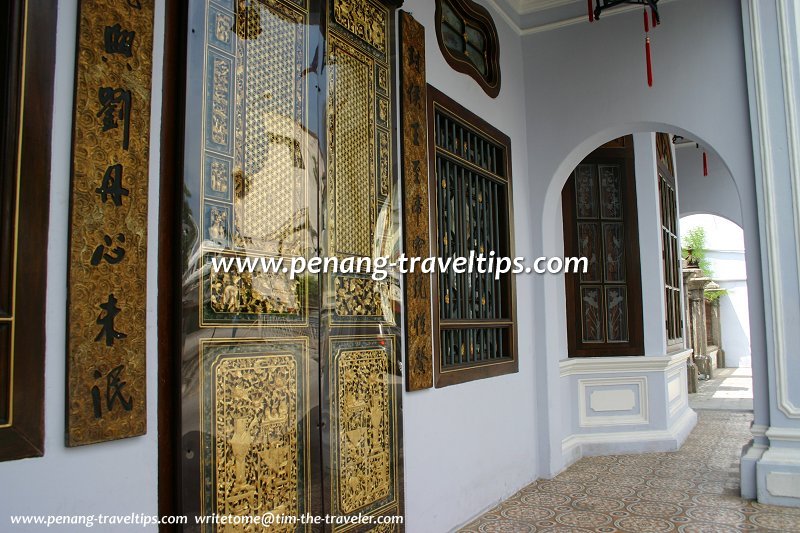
591 11
649 62
705 164
646 22
653 14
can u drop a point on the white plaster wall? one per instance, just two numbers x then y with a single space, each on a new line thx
715 194
112 478
468 446
726 256
585 85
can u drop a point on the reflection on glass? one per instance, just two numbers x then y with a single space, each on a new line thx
289 155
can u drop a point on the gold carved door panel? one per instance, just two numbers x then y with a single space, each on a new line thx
290 386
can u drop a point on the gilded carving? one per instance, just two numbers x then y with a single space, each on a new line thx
219 101
236 296
360 296
364 445
419 318
218 231
256 451
384 161
352 149
222 27
364 19
270 176
106 396
219 177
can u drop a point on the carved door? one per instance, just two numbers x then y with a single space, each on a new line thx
290 388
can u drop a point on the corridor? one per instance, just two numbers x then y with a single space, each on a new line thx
695 489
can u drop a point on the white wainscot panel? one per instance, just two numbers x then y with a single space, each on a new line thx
608 402
677 393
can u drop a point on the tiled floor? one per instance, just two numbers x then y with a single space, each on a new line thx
695 489
731 388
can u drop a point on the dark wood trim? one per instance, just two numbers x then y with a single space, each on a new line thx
481 17
25 436
487 369
611 153
169 283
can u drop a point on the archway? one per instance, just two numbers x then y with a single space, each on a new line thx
552 382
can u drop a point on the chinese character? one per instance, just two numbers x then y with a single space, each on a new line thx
107 321
416 168
415 127
418 244
418 324
112 185
100 252
414 95
116 106
113 387
119 41
416 207
418 286
414 59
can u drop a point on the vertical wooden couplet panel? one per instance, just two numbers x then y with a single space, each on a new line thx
106 397
419 374
290 386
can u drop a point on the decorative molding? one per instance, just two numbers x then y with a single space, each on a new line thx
784 434
784 484
763 151
758 430
788 56
525 7
654 440
682 399
512 19
587 421
615 365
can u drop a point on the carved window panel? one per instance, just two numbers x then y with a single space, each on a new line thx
599 209
668 207
474 313
289 156
469 42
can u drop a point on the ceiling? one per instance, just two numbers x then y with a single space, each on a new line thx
530 16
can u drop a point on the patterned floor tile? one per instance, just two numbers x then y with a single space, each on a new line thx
693 490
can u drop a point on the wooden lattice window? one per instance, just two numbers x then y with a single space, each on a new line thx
604 305
474 313
468 40
670 251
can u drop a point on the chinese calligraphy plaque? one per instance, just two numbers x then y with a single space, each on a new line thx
415 200
108 223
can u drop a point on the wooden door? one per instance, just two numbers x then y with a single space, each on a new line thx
290 388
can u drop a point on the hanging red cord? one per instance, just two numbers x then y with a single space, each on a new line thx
591 11
649 62
705 163
646 22
653 14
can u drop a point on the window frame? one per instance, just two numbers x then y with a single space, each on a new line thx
26 150
485 369
618 151
665 177
477 16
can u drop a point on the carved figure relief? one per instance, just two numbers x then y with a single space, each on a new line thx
364 446
364 19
